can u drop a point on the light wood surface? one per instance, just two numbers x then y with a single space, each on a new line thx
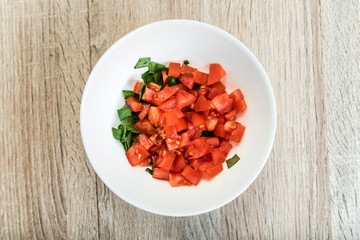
310 186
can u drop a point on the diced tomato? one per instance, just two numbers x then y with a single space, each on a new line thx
191 175
165 158
153 86
181 124
211 121
145 126
164 94
222 103
209 170
173 143
174 69
231 115
190 129
172 116
177 180
217 89
192 106
198 132
160 173
214 141
170 131
238 133
197 119
204 90
230 126
202 104
225 147
196 163
184 99
145 163
222 119
239 101
179 163
144 140
194 93
154 115
144 111
187 81
137 87
186 70
185 139
136 154
219 130
201 77
164 77
216 73
198 148
218 156
179 86
169 104
134 104
148 96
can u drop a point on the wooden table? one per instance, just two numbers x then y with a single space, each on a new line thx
310 186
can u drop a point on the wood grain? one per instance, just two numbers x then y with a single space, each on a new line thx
308 189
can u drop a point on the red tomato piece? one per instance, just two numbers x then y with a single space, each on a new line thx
181 124
185 139
184 99
222 103
211 121
137 87
154 115
196 163
144 126
145 163
144 140
191 175
209 170
237 134
179 164
204 90
144 111
169 104
225 147
213 141
172 116
164 77
160 173
134 104
190 129
198 132
153 86
217 156
148 96
164 94
174 69
219 130
198 148
201 77
231 115
187 81
229 126
170 131
136 154
216 73
202 104
179 86
186 70
239 101
217 89
197 119
177 180
165 158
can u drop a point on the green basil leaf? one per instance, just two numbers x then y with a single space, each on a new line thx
231 162
124 112
186 62
129 121
173 81
142 62
116 133
158 79
128 93
149 171
142 89
147 77
155 67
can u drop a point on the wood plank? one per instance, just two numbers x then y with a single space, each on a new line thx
342 71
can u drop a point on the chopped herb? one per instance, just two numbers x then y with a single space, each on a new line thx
129 121
147 77
142 89
231 162
196 87
207 134
142 62
149 171
124 112
173 81
128 93
116 133
186 62
158 79
156 67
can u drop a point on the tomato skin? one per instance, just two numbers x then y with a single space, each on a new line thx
170 131
222 103
216 73
179 86
160 173
187 81
144 111
185 139
225 147
213 141
164 94
186 70
217 89
144 126
181 124
202 104
196 163
209 170
172 116
198 148
239 101
219 130
184 99
144 141
174 69
218 156
200 77
197 119
134 104
191 175
137 87
169 104
178 180
148 96
179 163
237 134
136 154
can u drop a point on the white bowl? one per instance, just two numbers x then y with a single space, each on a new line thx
165 41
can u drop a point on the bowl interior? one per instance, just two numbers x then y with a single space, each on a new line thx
176 40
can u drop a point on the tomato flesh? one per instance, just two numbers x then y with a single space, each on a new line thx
144 111
160 173
191 175
134 104
136 154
